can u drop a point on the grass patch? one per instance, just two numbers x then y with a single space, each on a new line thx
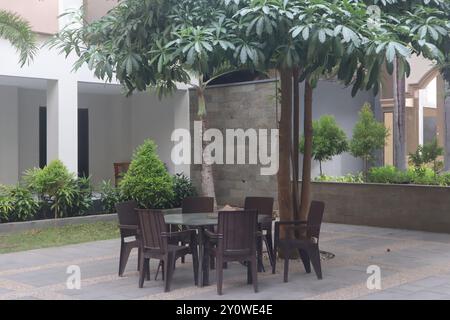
58 236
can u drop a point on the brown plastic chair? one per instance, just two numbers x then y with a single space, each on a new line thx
197 205
156 244
264 206
235 241
128 225
308 242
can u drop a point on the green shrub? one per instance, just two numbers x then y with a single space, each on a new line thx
348 178
427 155
109 196
444 179
182 188
82 196
59 189
426 176
329 140
147 180
17 204
387 174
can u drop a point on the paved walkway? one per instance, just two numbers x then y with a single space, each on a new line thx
414 265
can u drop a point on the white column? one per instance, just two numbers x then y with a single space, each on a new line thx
62 122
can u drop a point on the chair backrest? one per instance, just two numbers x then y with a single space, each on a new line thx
238 229
198 205
264 205
315 218
126 213
151 226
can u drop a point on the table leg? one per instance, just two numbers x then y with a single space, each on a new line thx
203 271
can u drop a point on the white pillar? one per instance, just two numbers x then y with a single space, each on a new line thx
62 122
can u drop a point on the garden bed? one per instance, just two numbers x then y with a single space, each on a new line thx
11 227
415 207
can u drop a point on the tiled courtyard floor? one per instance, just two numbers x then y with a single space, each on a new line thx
414 265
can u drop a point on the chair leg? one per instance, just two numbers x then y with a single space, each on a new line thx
142 272
139 257
259 242
147 269
286 266
305 259
314 255
249 271
254 274
219 271
274 265
169 270
125 250
121 257
195 263
269 246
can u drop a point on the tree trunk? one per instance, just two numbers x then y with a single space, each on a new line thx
305 199
399 119
447 126
295 143
284 150
207 178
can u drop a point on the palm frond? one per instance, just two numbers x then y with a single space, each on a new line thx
18 32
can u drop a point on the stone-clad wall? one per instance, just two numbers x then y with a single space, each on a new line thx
245 105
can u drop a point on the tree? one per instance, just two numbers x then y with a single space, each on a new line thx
369 135
422 25
140 42
18 32
156 44
329 140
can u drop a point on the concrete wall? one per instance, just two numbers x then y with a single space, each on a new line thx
252 105
41 14
96 9
9 135
383 205
238 106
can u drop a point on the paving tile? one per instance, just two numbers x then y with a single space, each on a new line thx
416 267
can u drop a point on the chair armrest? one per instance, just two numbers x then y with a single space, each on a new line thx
293 222
128 227
212 235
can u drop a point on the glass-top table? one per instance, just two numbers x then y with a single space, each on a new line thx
199 221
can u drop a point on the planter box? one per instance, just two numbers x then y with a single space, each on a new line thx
414 207
48 223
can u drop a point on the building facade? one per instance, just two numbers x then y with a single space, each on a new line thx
48 112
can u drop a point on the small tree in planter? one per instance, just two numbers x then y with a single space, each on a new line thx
329 140
369 135
55 185
147 180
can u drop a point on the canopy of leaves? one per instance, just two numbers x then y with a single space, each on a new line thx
369 135
18 32
329 139
160 42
